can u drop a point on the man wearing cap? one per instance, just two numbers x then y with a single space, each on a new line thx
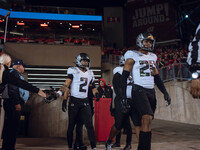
16 97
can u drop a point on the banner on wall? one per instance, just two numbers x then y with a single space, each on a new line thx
155 16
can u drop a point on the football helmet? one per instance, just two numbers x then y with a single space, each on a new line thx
145 36
80 57
122 60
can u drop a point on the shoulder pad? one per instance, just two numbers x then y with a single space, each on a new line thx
118 70
132 54
153 55
72 70
90 72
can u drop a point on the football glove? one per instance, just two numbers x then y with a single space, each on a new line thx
125 106
167 99
50 98
64 105
97 96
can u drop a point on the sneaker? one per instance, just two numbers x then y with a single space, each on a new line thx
127 147
94 148
116 145
108 146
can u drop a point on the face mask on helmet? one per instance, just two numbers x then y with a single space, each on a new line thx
80 63
145 36
122 61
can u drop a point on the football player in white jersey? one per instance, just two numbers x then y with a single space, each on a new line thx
78 80
194 61
141 63
121 119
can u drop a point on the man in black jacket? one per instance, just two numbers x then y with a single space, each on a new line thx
13 100
104 90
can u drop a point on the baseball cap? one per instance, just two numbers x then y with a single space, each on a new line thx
19 62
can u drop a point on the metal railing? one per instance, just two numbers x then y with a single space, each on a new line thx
175 71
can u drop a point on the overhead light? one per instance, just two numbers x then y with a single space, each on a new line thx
186 16
75 26
60 22
70 24
20 23
80 24
44 25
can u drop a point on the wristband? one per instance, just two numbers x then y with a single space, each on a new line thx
60 93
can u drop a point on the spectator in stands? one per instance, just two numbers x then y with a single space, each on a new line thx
105 91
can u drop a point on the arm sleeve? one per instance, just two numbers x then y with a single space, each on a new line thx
11 79
117 84
93 85
159 83
124 77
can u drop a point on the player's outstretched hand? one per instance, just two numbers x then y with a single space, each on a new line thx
50 98
41 93
167 98
64 105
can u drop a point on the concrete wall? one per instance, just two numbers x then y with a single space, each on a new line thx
49 120
52 55
46 120
183 108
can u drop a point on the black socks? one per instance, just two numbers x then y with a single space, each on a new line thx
144 141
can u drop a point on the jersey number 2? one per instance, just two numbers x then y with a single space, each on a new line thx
83 84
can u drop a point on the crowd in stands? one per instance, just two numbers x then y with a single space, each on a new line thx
75 41
165 55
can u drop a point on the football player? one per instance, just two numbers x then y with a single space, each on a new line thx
79 79
194 61
141 63
121 119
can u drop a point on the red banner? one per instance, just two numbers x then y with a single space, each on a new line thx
155 16
103 120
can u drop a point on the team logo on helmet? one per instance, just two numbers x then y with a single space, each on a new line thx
145 36
79 58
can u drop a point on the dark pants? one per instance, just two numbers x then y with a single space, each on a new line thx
11 123
127 127
80 108
122 121
79 133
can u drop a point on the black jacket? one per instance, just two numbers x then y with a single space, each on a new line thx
106 93
11 79
13 91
